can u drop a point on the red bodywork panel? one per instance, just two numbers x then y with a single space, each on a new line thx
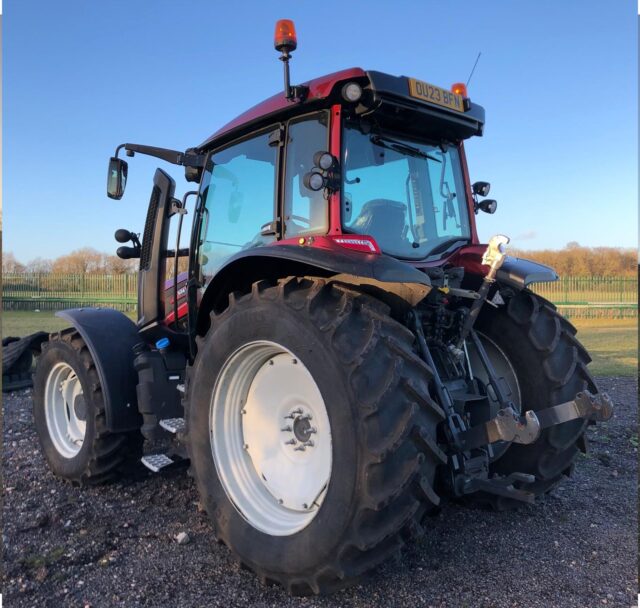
319 88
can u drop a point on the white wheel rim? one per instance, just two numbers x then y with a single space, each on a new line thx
65 410
270 438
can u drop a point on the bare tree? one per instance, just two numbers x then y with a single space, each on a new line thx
80 261
40 265
10 264
115 265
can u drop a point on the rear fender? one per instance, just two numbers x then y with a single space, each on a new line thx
394 281
110 337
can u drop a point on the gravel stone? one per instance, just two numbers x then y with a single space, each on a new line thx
183 538
576 548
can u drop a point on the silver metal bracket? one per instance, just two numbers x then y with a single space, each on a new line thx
596 408
510 426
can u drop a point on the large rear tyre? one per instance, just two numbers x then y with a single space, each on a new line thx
550 367
309 364
69 414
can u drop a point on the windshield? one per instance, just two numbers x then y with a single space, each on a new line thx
408 196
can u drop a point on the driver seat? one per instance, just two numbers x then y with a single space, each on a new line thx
385 220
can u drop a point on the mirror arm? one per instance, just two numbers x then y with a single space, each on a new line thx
171 156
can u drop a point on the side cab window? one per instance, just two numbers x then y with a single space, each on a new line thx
305 211
238 195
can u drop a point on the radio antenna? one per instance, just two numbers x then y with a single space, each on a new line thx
473 69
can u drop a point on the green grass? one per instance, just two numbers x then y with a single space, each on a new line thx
612 343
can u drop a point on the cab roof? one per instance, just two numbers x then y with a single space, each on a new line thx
389 98
319 88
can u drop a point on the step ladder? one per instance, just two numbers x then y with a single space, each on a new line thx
157 462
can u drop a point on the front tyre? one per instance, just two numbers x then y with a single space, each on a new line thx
69 414
311 433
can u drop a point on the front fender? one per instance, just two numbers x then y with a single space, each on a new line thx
110 337
515 272
520 273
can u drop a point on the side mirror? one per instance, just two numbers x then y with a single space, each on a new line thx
116 178
481 188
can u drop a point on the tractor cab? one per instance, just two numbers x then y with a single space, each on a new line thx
355 161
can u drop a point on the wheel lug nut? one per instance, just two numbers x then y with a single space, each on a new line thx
310 443
286 429
291 441
300 448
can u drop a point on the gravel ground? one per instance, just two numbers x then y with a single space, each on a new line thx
116 545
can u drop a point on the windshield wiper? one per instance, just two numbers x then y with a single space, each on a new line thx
399 146
446 244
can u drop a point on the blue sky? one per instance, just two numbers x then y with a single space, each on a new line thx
558 80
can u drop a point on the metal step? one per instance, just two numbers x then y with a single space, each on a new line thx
155 462
173 425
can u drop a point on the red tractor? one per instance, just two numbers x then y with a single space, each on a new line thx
342 353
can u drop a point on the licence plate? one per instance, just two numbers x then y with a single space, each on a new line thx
432 94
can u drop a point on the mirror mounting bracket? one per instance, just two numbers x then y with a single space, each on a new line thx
186 159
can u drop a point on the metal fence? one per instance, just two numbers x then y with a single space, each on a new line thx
35 291
609 297
593 297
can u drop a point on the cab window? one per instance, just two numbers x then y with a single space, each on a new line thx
239 198
305 211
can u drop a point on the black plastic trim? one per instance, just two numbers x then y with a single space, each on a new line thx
392 99
151 277
520 273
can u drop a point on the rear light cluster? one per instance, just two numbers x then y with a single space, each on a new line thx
365 244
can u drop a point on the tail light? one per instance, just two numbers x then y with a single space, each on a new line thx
364 244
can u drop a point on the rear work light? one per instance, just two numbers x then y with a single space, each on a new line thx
364 244
352 92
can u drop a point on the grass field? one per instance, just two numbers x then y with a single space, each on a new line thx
613 343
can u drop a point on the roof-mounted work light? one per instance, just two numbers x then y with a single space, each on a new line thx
286 41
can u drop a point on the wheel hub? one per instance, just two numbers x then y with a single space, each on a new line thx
301 429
